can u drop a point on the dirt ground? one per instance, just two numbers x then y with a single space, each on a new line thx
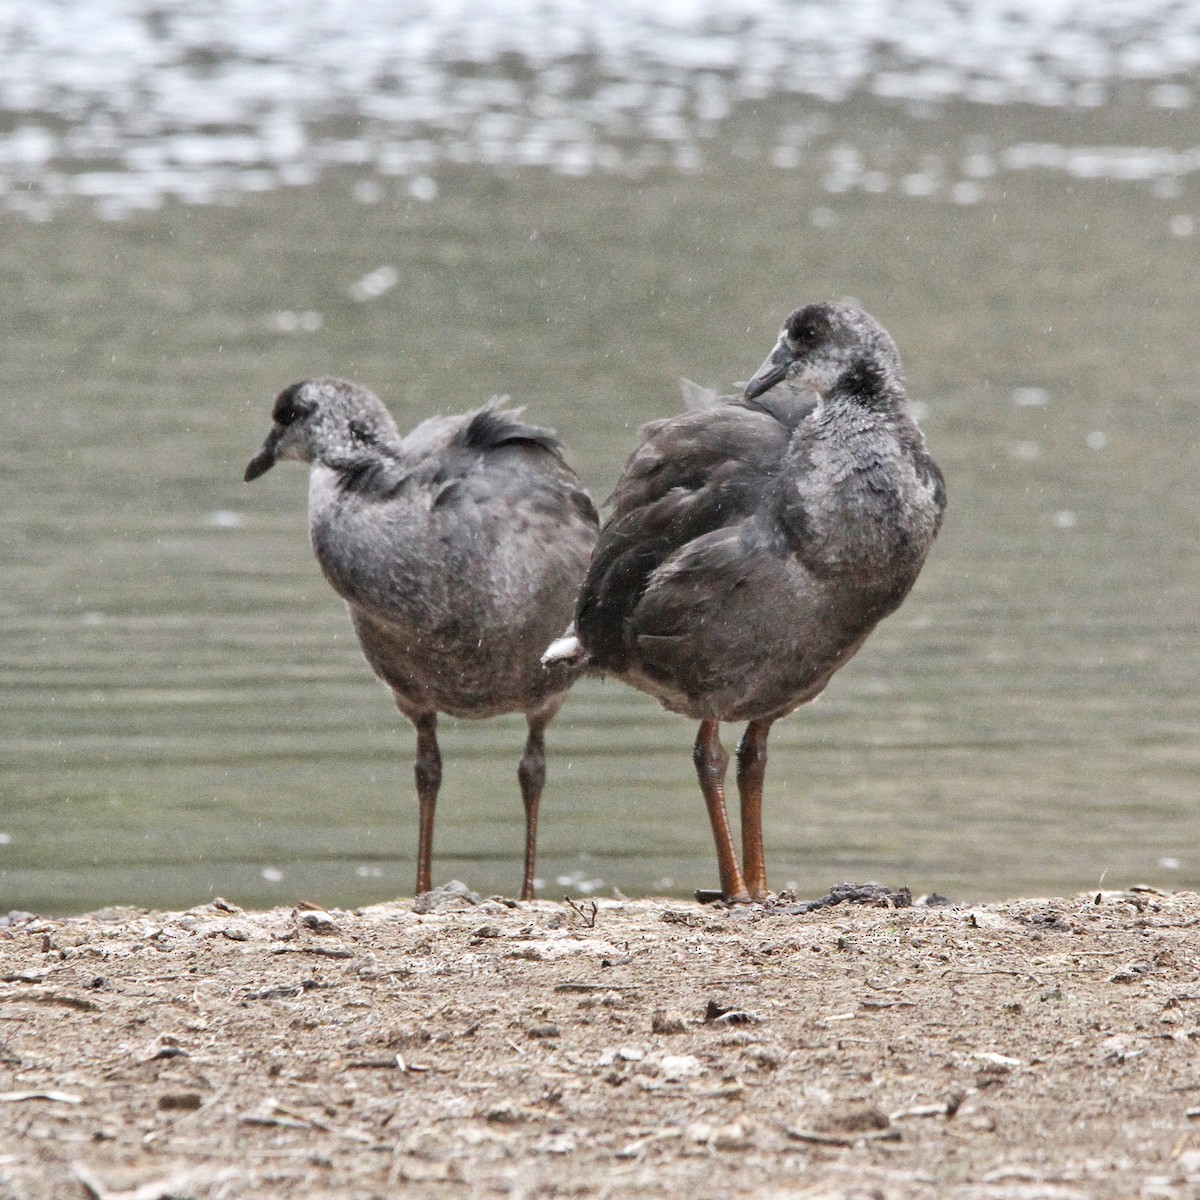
1017 1051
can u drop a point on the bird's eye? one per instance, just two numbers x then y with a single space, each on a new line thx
289 408
804 330
797 336
297 412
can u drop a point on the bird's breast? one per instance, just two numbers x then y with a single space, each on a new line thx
863 511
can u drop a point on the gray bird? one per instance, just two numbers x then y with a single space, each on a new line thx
459 551
753 545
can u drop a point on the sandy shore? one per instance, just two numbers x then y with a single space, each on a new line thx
1025 1050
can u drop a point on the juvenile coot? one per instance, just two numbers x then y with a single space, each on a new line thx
753 545
459 551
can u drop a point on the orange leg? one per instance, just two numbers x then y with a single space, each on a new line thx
428 770
531 774
751 769
711 760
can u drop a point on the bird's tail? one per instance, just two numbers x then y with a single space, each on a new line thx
567 649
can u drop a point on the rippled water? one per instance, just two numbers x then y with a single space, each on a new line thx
201 207
130 105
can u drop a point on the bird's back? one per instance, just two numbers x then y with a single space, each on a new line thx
459 555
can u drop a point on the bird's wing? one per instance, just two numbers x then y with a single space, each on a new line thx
691 475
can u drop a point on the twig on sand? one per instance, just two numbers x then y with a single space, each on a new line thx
286 1117
45 996
586 915
182 1183
851 1138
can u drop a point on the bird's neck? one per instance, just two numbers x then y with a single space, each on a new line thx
868 385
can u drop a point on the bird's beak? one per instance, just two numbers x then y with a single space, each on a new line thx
264 460
774 368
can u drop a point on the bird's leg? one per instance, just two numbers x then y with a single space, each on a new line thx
751 768
531 773
428 770
711 760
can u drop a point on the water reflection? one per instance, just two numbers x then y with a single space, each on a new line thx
576 207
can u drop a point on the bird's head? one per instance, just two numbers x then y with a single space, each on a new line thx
323 419
828 347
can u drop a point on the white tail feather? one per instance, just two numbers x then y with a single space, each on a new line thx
564 649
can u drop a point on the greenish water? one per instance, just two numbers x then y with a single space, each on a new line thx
186 713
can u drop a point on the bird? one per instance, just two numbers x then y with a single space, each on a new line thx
458 549
754 542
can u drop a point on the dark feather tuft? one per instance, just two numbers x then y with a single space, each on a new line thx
491 428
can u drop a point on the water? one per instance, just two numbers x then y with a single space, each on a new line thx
199 209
